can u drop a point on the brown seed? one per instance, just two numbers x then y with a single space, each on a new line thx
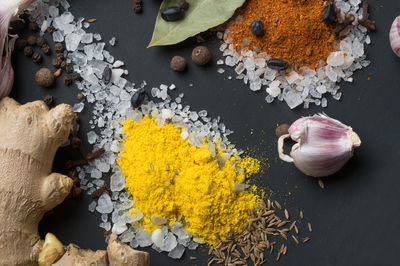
301 214
28 51
67 80
58 72
278 205
44 77
152 166
63 64
48 99
306 239
56 62
61 56
309 227
201 55
69 68
80 96
192 258
320 183
91 20
296 229
58 47
295 239
178 63
31 40
33 26
287 214
37 57
281 130
40 41
45 49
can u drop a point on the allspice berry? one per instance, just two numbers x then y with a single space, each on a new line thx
40 41
201 55
44 77
31 40
178 63
281 130
80 96
48 99
56 62
37 57
67 80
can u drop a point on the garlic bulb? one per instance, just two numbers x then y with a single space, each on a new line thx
323 145
9 10
394 36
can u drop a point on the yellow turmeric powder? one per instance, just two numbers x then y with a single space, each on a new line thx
170 178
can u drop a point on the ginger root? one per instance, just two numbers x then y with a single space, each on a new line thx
30 135
74 256
120 254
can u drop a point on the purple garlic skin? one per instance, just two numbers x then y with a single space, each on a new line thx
323 145
394 36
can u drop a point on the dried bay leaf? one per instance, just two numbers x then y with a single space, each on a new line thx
201 16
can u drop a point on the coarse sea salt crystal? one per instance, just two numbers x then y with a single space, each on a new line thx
336 58
104 204
78 107
177 252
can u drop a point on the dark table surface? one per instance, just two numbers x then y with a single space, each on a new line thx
355 219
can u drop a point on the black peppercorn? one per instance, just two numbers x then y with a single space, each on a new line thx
69 69
201 55
138 98
31 40
37 57
28 51
20 44
184 5
138 8
172 13
106 77
44 77
33 26
48 99
40 41
277 64
76 76
178 63
46 49
257 27
56 62
58 47
67 80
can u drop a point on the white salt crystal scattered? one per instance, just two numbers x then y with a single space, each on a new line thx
104 204
293 99
87 38
95 173
336 59
97 37
112 41
118 64
220 70
119 228
157 237
105 225
58 36
144 239
127 236
92 137
274 91
177 252
78 107
193 245
92 206
168 243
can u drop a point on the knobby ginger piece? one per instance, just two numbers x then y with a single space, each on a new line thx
74 256
120 254
30 135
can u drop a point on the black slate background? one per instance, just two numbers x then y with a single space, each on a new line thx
355 218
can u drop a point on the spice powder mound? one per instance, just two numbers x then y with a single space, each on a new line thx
170 178
293 31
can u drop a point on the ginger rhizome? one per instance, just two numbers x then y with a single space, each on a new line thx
30 135
172 179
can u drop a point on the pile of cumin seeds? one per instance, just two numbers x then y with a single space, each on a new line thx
260 236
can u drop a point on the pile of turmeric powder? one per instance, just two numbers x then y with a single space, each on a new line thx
172 179
293 31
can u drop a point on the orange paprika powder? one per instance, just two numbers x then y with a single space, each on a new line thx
293 31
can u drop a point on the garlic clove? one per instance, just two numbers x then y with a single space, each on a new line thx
394 36
323 145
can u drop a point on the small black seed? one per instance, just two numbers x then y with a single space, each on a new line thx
106 75
172 13
277 64
257 27
138 98
329 14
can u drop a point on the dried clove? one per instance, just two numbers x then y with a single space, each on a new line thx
364 21
349 18
95 154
